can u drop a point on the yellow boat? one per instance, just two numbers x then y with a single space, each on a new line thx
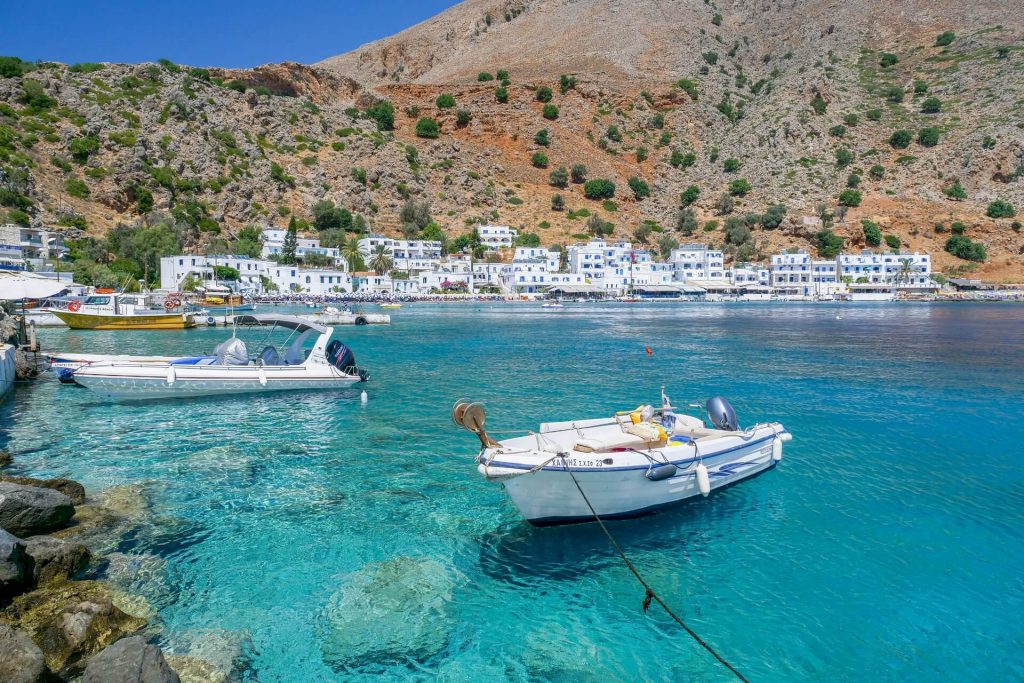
124 312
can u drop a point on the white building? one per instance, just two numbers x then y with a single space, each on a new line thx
273 244
799 274
316 281
408 255
696 263
886 268
617 267
174 270
533 270
496 236
36 244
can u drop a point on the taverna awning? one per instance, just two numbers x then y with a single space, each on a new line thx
668 289
575 289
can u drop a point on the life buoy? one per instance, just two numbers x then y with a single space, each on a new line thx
169 305
74 306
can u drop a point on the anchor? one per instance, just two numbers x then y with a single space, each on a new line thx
471 416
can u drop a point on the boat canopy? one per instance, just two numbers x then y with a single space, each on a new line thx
291 322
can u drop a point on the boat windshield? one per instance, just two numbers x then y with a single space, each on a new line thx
277 345
97 301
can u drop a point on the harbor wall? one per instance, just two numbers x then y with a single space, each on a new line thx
6 369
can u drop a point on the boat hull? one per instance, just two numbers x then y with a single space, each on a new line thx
156 321
142 383
221 310
549 496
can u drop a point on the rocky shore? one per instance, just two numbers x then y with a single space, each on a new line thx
64 612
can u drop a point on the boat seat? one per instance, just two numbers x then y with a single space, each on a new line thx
269 356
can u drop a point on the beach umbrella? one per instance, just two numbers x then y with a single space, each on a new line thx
18 286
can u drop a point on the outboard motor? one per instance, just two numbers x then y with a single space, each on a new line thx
342 358
722 415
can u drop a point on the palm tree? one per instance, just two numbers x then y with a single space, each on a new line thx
381 260
350 252
906 271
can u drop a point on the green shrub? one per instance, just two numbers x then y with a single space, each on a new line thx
829 244
639 187
893 242
502 75
711 58
945 38
383 112
613 133
566 83
901 139
559 177
957 228
894 94
739 187
932 105
85 67
955 191
850 198
818 104
689 195
541 137
853 181
877 172
12 67
543 94
1000 209
550 112
641 154
539 160
928 137
125 138
463 117
445 101
689 87
61 163
501 94
34 95
731 165
557 203
427 127
920 87
484 76
82 147
872 233
837 131
599 188
717 19
963 247
888 59
236 85
844 157
874 114
76 188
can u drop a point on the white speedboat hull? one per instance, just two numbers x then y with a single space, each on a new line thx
138 382
75 361
616 481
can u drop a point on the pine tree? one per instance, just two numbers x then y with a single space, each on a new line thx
291 240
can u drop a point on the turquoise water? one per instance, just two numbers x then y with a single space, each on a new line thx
340 541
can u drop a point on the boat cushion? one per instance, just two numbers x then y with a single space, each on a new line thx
195 360
269 356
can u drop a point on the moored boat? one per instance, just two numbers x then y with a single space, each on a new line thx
327 364
116 311
626 465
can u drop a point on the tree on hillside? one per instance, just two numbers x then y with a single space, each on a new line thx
415 213
291 241
427 127
380 260
579 173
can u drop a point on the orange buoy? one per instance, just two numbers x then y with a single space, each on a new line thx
648 350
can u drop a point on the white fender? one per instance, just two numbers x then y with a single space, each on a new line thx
170 376
703 481
263 377
776 449
363 398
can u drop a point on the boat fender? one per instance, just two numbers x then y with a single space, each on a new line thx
170 376
662 472
703 481
211 321
66 375
263 377
776 449
360 320
363 398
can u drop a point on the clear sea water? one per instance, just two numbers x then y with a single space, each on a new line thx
340 541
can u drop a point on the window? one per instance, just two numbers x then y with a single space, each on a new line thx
97 301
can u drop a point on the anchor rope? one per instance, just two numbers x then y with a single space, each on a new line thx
651 595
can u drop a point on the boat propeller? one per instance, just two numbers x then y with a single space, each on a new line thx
471 416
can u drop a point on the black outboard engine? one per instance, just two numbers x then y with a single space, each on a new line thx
722 415
341 357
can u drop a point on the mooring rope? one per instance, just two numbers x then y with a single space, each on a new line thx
651 595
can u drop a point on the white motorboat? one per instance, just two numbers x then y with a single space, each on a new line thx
627 465
552 304
327 364
64 365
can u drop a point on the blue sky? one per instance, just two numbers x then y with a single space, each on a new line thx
210 33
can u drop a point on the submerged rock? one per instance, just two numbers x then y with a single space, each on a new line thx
55 559
70 488
129 660
94 525
209 655
195 670
388 612
15 566
21 660
5 458
26 510
71 621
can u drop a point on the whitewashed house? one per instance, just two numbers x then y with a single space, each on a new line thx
408 255
496 237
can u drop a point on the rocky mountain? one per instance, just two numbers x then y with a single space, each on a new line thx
908 115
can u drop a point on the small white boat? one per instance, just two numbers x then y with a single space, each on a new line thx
76 361
627 465
328 364
552 304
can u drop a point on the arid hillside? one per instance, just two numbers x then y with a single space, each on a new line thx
703 116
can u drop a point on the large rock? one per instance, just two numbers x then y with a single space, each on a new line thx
386 613
55 559
21 660
5 458
130 660
15 566
27 510
71 622
69 487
